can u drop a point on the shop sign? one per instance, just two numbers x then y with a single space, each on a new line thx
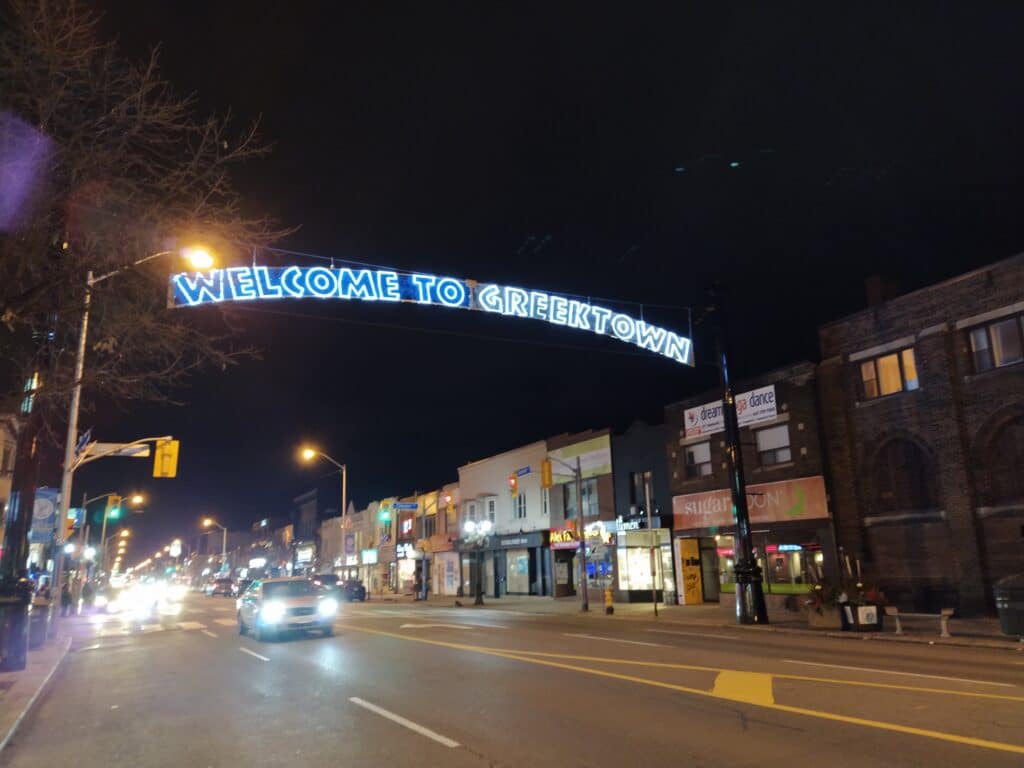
595 457
752 407
369 556
304 554
351 560
781 502
406 551
563 538
689 560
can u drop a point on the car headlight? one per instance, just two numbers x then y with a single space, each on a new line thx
101 601
272 612
328 607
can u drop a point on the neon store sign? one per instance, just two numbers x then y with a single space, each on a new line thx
190 289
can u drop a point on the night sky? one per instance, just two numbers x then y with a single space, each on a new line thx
786 151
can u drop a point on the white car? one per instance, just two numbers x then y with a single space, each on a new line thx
271 606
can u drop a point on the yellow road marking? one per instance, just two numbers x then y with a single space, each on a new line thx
751 687
727 693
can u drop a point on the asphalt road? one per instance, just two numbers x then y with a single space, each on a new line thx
409 685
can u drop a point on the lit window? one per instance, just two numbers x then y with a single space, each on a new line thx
773 445
698 460
998 344
889 374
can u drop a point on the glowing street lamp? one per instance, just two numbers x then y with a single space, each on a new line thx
209 522
308 453
476 534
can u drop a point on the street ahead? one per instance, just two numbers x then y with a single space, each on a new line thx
405 684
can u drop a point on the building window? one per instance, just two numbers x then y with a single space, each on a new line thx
471 512
998 344
521 506
902 478
698 460
641 484
773 445
450 513
590 501
888 374
490 510
1006 458
7 464
545 500
429 526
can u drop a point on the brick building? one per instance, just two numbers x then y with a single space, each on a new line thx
784 471
922 401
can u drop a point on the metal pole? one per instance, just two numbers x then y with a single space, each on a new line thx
223 547
750 606
584 598
103 541
650 533
70 442
479 574
344 491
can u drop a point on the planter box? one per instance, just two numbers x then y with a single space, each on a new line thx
829 618
862 618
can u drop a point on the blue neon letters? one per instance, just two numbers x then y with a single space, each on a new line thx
251 283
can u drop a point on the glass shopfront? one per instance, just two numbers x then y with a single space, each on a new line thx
633 554
785 558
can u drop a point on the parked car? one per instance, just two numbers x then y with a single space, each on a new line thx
327 582
221 586
353 589
272 606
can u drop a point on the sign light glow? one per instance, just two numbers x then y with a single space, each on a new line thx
190 289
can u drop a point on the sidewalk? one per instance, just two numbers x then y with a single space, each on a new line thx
19 691
973 632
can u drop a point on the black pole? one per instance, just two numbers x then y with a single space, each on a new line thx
750 606
479 576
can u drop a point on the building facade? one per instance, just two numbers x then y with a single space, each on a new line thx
923 407
641 477
785 474
514 557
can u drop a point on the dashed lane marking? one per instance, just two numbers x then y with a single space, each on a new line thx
191 625
416 727
208 633
226 622
693 634
253 653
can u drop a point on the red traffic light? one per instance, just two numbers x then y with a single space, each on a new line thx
513 484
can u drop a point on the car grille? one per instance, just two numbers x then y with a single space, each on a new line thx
302 611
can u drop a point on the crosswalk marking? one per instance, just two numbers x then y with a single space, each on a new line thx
225 622
191 625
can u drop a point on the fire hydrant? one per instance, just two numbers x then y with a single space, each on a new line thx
608 607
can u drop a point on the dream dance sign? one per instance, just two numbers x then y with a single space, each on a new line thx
192 289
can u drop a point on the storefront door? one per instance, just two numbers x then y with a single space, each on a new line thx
709 570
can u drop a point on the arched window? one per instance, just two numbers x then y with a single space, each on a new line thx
903 480
1006 463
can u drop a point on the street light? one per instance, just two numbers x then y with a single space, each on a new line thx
209 521
308 453
200 259
476 534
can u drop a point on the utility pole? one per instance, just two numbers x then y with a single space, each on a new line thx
650 533
750 605
584 598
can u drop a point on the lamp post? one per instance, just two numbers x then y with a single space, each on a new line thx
209 521
476 534
200 259
308 454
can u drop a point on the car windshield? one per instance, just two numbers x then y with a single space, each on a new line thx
289 589
327 579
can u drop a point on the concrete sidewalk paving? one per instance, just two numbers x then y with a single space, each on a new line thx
975 632
19 691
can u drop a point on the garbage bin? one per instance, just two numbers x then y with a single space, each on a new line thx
38 623
1009 594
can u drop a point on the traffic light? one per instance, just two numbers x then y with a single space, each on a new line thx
384 513
546 477
165 458
69 525
113 507
513 485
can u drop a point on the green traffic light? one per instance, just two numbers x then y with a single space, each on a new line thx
114 513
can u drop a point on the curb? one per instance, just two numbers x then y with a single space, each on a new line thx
66 643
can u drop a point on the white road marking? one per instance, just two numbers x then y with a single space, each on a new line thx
693 634
191 625
614 640
152 627
208 633
226 622
450 626
92 647
421 730
253 653
895 672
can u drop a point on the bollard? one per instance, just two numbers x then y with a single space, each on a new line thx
608 607
38 623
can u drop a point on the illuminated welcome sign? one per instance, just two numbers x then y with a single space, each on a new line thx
255 283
